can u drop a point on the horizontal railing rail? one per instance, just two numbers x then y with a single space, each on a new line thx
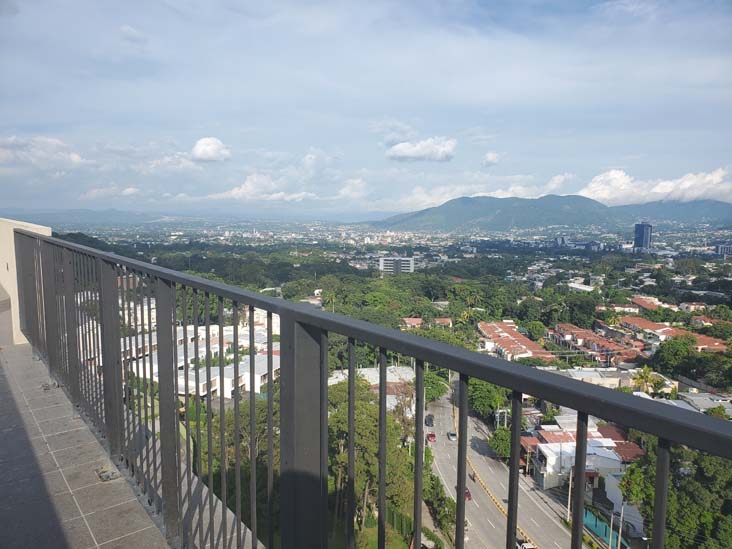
82 306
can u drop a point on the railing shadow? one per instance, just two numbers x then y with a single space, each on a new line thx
29 512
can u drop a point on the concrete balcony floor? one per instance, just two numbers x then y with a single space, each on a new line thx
51 494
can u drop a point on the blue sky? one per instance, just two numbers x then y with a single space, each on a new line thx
346 109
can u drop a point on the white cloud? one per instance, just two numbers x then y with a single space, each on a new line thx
174 162
558 181
393 131
439 149
615 187
210 149
132 35
44 153
353 189
110 191
490 159
259 186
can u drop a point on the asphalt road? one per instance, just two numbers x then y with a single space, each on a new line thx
487 524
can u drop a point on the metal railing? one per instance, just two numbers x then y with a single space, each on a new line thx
90 315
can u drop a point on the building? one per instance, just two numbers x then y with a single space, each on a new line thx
396 265
592 345
614 378
692 306
578 287
656 332
724 249
399 385
650 303
444 322
643 236
410 323
504 339
705 401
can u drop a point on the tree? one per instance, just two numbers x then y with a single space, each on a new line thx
329 300
536 330
500 442
434 386
718 411
698 498
643 378
485 398
671 353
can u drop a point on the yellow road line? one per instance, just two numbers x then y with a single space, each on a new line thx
495 500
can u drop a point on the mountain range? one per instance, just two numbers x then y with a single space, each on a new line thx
500 214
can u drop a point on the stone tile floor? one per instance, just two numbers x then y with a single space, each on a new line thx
50 492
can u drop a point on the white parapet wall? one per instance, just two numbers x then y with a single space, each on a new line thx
8 275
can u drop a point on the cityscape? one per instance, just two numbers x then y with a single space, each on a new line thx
448 276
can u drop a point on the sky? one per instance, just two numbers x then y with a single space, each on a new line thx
350 110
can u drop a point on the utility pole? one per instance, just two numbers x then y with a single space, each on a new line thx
569 492
620 529
610 540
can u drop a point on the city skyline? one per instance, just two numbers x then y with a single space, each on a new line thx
355 108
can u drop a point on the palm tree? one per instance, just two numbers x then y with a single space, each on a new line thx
329 301
644 378
472 300
465 317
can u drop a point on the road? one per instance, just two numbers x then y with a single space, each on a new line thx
487 524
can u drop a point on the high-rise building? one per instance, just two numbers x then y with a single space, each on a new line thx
396 265
724 249
643 235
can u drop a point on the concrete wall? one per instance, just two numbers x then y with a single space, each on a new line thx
8 276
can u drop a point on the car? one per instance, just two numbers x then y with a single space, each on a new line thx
431 437
429 421
522 544
468 495
451 435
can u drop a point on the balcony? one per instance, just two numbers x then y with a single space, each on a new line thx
88 315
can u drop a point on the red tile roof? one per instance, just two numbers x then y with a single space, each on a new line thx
628 451
529 443
612 432
506 336
555 436
703 342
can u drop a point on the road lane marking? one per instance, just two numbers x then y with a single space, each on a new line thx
489 522
501 484
499 505
532 520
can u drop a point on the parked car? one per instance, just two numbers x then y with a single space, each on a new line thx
431 437
521 544
429 421
451 435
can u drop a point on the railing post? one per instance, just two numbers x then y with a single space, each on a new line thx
111 356
168 409
72 347
50 313
578 495
513 472
663 460
22 275
303 521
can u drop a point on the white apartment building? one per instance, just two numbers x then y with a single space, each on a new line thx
396 265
